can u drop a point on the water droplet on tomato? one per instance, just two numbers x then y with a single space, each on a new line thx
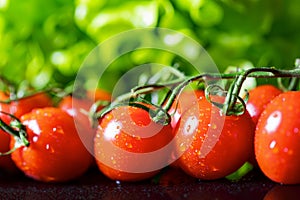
213 126
182 147
296 130
35 138
129 145
272 144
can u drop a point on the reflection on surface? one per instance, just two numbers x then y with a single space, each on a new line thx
171 184
283 192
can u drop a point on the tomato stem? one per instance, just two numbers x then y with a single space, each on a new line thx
17 130
233 103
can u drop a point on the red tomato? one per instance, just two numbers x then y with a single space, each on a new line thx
74 107
259 97
129 146
56 152
277 139
211 145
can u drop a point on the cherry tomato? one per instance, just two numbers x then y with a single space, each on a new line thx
259 97
129 146
277 139
210 144
55 153
75 107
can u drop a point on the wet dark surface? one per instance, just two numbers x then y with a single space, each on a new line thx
171 185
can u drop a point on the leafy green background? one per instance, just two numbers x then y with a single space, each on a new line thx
46 42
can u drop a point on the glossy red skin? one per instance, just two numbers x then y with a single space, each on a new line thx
277 139
55 153
74 107
185 100
213 148
259 97
26 104
123 127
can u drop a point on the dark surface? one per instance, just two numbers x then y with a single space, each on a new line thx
170 185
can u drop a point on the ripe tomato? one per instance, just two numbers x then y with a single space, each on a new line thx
259 97
56 152
210 144
74 107
277 139
129 146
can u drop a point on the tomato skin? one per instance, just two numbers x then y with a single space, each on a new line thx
185 100
74 106
129 129
259 97
99 95
212 145
26 104
55 153
277 139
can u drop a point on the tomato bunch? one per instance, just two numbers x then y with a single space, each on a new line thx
207 135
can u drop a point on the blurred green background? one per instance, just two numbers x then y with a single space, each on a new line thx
46 41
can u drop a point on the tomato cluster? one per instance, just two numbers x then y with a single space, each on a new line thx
59 136
133 141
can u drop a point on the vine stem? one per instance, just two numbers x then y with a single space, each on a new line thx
233 93
17 130
231 99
